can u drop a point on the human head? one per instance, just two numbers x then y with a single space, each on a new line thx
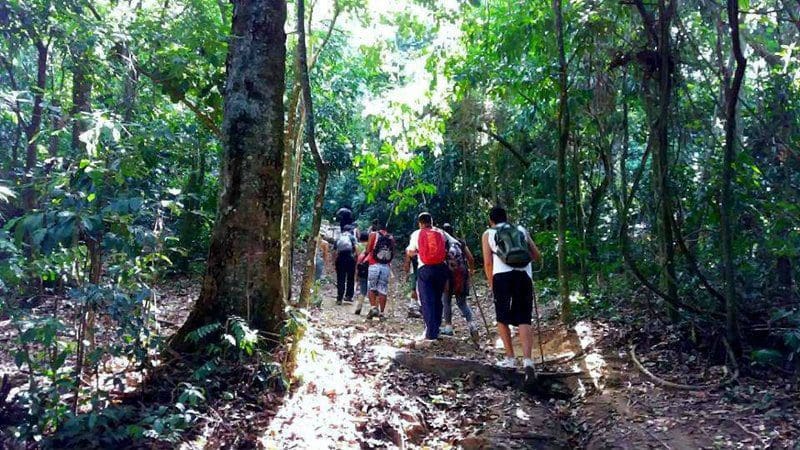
363 236
425 220
497 215
383 226
447 228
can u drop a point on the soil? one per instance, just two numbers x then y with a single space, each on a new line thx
348 393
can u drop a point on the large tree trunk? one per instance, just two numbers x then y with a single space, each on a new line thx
243 276
322 167
726 199
563 136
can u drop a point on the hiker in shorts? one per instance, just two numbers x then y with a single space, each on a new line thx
460 263
507 254
430 245
345 248
362 270
380 251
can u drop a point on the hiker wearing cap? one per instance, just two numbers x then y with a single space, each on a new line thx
507 254
429 244
380 251
460 263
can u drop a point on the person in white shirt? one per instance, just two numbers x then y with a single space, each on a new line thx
512 285
429 244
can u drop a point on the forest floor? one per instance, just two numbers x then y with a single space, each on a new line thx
348 393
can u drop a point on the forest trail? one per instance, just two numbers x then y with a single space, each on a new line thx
350 394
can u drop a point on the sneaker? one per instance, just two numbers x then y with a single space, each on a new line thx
509 362
339 301
373 312
381 317
349 301
447 330
527 365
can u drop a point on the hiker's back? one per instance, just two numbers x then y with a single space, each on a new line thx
510 250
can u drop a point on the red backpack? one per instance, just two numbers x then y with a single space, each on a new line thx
431 246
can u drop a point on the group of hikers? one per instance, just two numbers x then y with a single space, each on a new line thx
439 267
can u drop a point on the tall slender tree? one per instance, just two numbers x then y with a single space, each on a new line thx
242 276
563 137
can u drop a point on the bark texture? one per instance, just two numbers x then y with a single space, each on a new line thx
243 276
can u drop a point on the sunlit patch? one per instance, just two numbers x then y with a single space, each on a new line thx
593 363
318 413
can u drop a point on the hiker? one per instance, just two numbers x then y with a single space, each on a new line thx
410 265
507 254
323 250
362 270
345 216
430 245
380 251
345 248
460 263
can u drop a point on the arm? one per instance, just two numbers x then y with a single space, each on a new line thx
413 242
470 258
488 263
537 256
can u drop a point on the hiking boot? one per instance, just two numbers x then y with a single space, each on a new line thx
473 333
413 313
447 330
381 317
373 312
509 362
338 301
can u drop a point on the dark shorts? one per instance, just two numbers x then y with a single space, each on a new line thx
513 297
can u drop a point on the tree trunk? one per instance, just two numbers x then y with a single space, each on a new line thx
81 99
726 197
660 159
322 167
243 277
563 136
34 126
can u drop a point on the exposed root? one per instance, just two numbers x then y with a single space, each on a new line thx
680 386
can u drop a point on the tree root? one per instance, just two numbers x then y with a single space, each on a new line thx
685 387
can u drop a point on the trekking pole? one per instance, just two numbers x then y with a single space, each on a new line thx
480 308
538 322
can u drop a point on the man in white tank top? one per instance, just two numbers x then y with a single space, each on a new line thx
513 290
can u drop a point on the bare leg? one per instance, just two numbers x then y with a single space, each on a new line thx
382 301
505 336
373 302
526 338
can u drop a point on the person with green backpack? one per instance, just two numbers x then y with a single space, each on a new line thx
507 254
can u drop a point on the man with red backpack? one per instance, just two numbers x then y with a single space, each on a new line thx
380 251
430 244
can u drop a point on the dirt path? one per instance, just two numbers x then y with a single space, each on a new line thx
352 395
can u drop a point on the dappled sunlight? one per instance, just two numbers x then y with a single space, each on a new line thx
593 362
318 413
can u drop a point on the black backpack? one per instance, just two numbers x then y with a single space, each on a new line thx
512 246
383 252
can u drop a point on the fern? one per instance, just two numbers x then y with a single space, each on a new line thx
202 332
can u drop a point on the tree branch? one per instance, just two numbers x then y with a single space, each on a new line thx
509 146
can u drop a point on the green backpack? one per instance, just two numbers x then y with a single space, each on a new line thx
512 246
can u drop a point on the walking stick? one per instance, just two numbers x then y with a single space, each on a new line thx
538 322
480 308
